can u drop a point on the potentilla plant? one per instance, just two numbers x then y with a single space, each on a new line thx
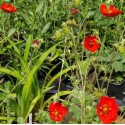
97 46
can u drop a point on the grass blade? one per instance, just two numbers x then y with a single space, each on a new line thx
27 89
59 74
13 72
32 104
27 48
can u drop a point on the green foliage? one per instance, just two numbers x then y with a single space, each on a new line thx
83 107
43 117
60 36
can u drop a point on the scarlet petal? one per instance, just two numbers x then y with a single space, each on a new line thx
103 9
90 43
109 12
113 112
111 8
57 107
8 8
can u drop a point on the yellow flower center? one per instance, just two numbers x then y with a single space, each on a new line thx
91 43
104 109
56 114
109 11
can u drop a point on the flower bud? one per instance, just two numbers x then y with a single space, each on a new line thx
71 22
66 29
63 24
57 34
121 49
35 44
70 43
74 11
76 2
93 58
56 98
98 93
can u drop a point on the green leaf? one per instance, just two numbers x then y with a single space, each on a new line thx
23 62
11 31
47 89
4 118
14 46
2 96
27 48
59 74
118 66
26 92
84 65
105 22
102 23
76 111
55 54
10 120
40 6
46 27
13 72
90 13
45 12
26 18
40 60
31 106
47 76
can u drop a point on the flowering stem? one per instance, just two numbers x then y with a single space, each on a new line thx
121 2
62 66
102 44
109 80
79 73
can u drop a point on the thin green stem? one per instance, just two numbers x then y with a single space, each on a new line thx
62 66
109 80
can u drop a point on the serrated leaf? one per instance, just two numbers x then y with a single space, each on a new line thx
84 65
102 23
105 22
91 13
76 111
117 66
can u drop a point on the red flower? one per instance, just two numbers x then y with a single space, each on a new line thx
9 8
57 111
107 109
35 43
74 11
90 43
109 12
